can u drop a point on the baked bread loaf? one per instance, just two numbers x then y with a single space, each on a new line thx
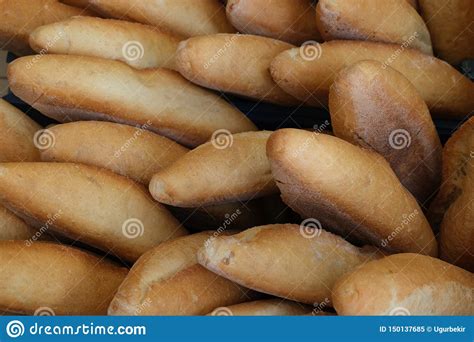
183 17
449 22
226 169
350 190
290 261
445 90
138 45
405 284
361 20
233 63
18 135
263 307
77 3
21 17
88 204
132 152
13 228
366 95
289 20
74 88
55 278
168 280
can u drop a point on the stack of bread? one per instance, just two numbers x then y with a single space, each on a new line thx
154 195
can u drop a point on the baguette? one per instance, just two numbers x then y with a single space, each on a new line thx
91 205
74 88
289 20
183 17
18 135
21 17
263 307
450 25
401 129
401 24
446 91
289 261
226 169
128 151
55 278
167 280
138 45
350 190
405 284
233 63
13 228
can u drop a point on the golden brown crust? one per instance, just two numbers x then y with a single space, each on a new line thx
377 108
128 151
233 63
226 169
401 24
445 90
60 279
88 204
263 307
405 284
284 260
79 88
352 191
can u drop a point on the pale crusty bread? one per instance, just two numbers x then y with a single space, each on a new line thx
445 90
378 108
17 135
92 205
138 45
263 307
168 280
233 63
12 227
289 20
289 261
126 150
60 279
405 284
21 17
450 24
362 20
184 17
226 169
350 190
74 88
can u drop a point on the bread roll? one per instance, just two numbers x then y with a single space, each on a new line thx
264 307
126 150
379 109
60 279
13 228
233 63
77 3
405 284
289 20
361 20
167 280
92 205
138 45
450 25
184 17
226 169
18 135
445 90
350 190
21 17
290 261
72 88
